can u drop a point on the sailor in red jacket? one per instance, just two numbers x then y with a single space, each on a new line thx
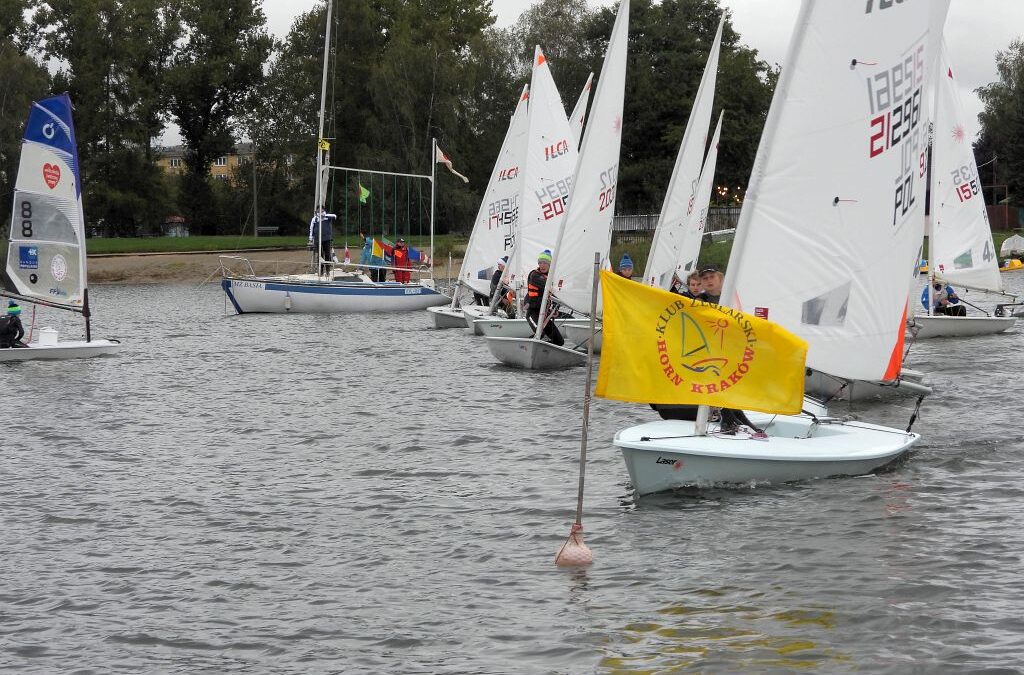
401 259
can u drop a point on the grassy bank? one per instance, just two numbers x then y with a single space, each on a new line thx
443 244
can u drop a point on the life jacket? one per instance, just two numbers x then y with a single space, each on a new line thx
532 289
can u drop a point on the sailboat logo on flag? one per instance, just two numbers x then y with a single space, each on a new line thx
28 257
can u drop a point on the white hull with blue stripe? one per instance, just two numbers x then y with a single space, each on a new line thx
298 295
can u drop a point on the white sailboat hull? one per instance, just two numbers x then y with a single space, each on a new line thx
534 354
446 317
577 332
71 349
281 296
922 326
911 384
472 313
672 456
493 326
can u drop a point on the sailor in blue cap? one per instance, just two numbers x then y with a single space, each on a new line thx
626 266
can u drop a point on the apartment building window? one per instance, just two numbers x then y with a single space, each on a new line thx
221 161
221 177
175 162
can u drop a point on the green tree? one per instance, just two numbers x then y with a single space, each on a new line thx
114 55
215 70
1002 120
22 80
668 48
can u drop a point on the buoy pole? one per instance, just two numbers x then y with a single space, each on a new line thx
575 553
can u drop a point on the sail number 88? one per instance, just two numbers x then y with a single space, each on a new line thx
26 219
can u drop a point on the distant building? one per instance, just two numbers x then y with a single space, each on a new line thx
172 160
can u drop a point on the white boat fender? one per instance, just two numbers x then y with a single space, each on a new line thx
287 302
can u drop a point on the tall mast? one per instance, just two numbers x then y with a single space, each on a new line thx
318 190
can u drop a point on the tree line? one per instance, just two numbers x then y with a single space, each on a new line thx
401 72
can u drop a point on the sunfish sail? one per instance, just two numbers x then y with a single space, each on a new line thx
960 245
46 252
824 248
497 220
673 243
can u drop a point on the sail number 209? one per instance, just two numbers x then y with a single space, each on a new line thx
26 219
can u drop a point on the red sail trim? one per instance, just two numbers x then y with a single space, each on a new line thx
896 358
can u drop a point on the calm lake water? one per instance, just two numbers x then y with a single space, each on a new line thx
364 494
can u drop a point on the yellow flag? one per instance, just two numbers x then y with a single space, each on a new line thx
659 347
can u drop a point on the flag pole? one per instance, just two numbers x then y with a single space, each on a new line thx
575 553
433 181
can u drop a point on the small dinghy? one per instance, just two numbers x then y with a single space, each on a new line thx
495 226
46 262
587 226
669 454
959 235
819 257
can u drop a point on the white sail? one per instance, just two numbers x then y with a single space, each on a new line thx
579 113
833 216
671 244
497 219
546 174
588 224
692 236
46 255
960 247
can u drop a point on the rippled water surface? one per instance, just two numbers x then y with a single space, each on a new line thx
306 494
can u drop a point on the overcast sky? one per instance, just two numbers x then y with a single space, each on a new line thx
975 30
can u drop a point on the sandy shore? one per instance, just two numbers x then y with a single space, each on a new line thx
193 268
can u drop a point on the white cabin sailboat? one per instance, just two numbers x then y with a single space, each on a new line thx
326 289
546 179
46 262
960 247
588 221
496 221
822 248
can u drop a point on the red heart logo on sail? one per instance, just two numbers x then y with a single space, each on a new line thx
51 174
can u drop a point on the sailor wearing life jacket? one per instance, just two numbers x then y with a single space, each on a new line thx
535 284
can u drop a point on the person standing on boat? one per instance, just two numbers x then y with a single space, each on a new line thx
711 280
401 259
944 300
535 284
626 266
320 225
11 330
